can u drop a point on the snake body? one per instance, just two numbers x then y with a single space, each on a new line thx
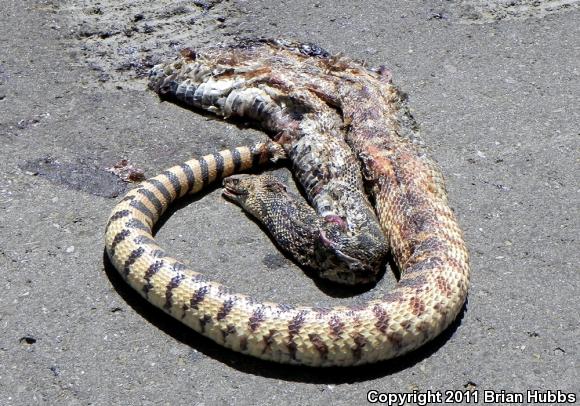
406 187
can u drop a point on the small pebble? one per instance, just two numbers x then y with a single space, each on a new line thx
70 249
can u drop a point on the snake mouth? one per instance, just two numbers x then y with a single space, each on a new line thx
232 190
233 194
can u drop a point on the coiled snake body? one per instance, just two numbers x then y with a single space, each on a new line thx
282 86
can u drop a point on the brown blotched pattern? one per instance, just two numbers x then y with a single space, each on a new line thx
406 186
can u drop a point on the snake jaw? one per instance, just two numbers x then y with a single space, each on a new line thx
231 195
234 190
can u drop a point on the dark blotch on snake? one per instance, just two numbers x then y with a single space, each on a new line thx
121 235
152 198
135 254
174 283
162 189
226 309
204 171
198 296
152 270
190 176
138 205
174 180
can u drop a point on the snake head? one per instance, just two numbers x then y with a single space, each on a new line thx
339 254
336 258
237 188
250 191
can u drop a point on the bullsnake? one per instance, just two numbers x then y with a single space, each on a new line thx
406 186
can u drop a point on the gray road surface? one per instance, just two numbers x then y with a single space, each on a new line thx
495 88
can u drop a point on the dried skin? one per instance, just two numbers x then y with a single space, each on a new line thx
346 243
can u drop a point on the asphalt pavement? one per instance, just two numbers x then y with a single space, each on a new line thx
495 88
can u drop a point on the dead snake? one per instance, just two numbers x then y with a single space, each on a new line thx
409 198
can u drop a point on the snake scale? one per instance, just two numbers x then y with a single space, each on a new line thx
280 85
